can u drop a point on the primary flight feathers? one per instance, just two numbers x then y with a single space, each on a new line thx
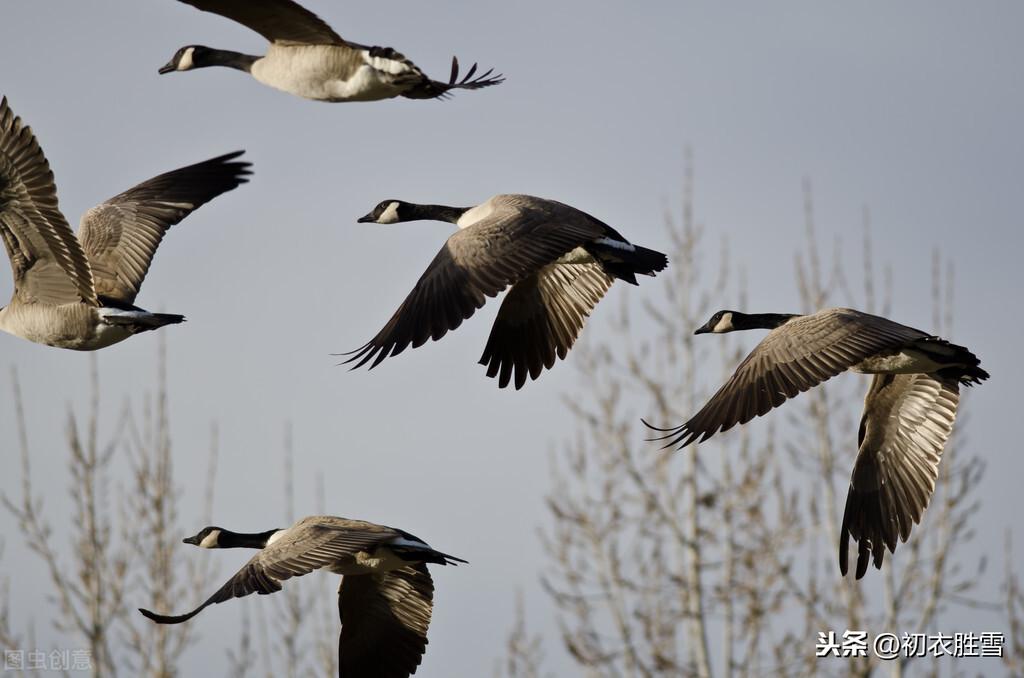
386 595
79 292
308 59
559 261
908 412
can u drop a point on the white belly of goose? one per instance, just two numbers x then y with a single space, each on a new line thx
71 326
329 73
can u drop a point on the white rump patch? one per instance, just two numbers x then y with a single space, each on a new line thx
390 66
274 537
108 312
617 244
411 543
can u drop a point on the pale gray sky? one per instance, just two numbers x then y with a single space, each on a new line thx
912 109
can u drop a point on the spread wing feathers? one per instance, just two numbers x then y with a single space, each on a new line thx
301 551
431 89
540 318
47 260
250 579
475 263
906 422
121 235
280 21
314 546
792 359
384 620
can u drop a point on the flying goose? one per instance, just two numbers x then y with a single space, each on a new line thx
308 59
386 594
908 411
79 292
559 261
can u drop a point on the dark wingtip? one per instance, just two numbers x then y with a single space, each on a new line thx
170 619
364 354
863 558
844 550
158 618
468 81
655 428
673 436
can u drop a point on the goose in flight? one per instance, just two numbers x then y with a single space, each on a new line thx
908 411
386 594
79 292
308 59
558 260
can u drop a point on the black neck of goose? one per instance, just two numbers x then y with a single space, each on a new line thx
223 57
247 540
757 321
433 212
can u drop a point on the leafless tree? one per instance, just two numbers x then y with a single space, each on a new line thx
150 523
93 579
1014 657
89 589
683 563
242 659
9 640
524 656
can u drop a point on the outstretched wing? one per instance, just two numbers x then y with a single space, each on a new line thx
479 261
47 260
250 579
906 422
384 620
540 319
293 555
280 21
121 235
792 359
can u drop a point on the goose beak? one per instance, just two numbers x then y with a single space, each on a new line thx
191 540
368 219
702 330
168 67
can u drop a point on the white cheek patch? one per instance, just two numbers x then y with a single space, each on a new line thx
389 215
724 323
210 540
186 63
